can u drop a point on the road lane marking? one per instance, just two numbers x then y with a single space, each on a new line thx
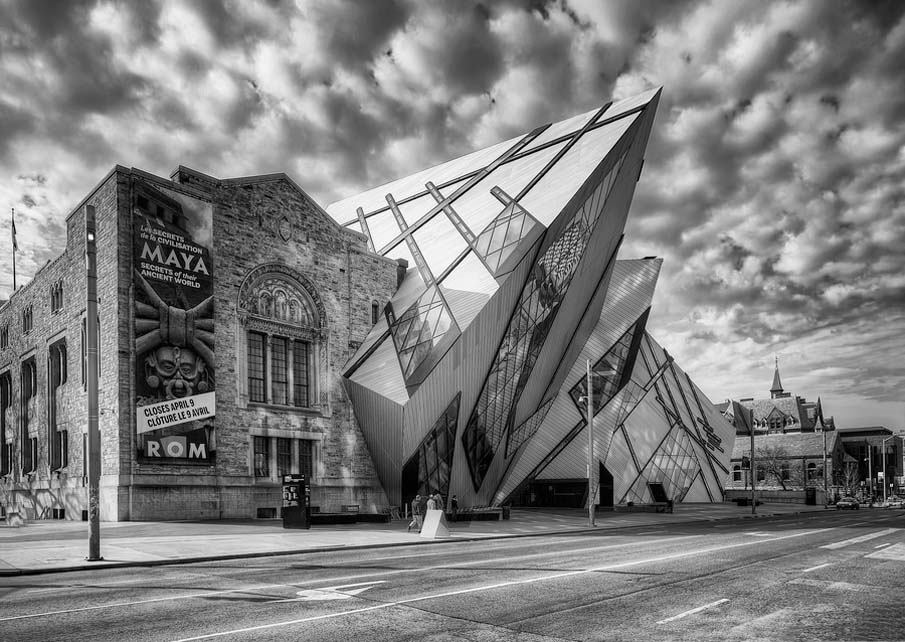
331 592
860 539
814 568
894 552
499 585
883 545
836 586
346 578
693 611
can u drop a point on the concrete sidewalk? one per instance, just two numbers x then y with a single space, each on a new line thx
50 546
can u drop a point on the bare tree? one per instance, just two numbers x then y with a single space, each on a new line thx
851 477
776 464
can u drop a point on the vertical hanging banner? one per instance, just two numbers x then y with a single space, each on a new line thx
173 317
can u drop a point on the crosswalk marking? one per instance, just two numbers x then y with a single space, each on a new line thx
862 538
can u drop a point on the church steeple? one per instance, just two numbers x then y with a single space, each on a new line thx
776 390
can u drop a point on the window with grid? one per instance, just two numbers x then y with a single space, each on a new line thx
282 317
29 389
284 456
279 374
6 447
300 396
262 456
59 439
56 297
306 458
256 389
27 320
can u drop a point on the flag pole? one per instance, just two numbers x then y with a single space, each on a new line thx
15 245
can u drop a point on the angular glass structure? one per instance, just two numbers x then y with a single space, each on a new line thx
510 254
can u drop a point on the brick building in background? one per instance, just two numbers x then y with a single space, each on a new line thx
226 308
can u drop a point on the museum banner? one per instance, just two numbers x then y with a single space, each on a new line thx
173 318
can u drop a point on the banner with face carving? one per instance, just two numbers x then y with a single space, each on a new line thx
173 317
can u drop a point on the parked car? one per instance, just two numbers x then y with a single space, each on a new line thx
893 502
848 502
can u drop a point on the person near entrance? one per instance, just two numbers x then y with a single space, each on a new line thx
417 515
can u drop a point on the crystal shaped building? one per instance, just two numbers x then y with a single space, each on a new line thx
471 380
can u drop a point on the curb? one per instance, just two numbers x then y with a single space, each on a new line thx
103 565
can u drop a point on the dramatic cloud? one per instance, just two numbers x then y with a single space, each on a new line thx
773 185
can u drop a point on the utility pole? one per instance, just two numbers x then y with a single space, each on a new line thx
825 471
94 437
591 488
753 468
870 475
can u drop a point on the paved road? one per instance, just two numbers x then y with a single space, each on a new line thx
825 576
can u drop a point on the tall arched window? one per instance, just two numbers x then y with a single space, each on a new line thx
736 473
282 337
375 312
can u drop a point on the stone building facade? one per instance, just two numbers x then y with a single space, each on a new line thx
226 309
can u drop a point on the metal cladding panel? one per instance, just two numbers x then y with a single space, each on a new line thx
478 207
572 462
553 193
374 199
627 104
464 368
630 291
381 373
698 492
380 420
557 130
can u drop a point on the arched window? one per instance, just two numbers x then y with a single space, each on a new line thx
375 312
736 473
812 471
784 472
284 332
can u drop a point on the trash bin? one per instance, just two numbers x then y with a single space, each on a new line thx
296 502
810 496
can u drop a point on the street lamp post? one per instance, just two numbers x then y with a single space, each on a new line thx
94 439
885 478
589 398
870 475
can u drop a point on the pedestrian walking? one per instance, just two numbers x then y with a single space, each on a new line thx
416 514
454 507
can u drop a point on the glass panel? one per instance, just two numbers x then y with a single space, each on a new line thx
279 385
435 453
300 374
256 367
306 457
284 456
262 456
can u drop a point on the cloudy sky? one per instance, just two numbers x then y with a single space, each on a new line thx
773 186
